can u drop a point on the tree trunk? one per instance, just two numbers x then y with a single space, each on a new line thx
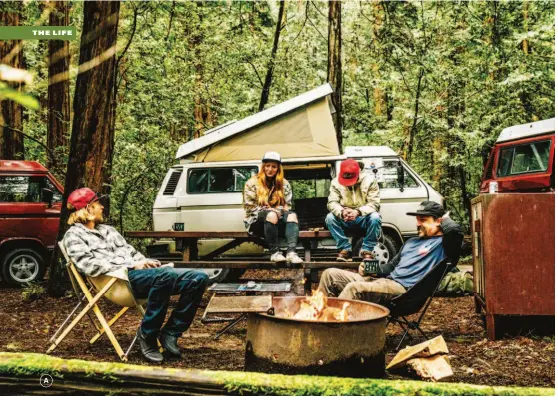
271 64
58 109
412 132
11 115
334 66
92 141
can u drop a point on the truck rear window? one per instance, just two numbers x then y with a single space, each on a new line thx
524 159
219 180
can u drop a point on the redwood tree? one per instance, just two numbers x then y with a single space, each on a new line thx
58 87
334 65
11 115
92 139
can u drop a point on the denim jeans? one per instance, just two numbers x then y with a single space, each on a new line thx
157 285
371 223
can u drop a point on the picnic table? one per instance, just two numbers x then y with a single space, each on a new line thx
186 242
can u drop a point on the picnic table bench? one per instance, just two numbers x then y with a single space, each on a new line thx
186 243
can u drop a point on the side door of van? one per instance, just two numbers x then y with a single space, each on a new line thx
214 197
396 203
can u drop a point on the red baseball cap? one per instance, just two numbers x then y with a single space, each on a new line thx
80 198
349 172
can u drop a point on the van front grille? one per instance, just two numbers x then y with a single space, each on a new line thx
172 183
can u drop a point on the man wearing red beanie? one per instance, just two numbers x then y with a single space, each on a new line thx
354 201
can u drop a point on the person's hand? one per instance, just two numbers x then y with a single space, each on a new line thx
140 265
153 263
361 269
351 215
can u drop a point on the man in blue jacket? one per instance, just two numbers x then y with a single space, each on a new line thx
438 237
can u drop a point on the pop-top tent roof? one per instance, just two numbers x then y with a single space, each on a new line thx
299 127
527 130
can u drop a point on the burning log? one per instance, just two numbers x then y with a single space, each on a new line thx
315 308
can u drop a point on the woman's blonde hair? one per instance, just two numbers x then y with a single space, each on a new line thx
275 195
80 216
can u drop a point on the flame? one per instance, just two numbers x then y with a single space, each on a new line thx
315 308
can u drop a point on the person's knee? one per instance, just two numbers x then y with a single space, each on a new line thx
292 217
374 218
350 292
202 279
166 276
272 217
330 219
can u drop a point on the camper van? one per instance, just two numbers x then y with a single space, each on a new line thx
203 190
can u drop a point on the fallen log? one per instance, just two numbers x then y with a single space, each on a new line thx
20 373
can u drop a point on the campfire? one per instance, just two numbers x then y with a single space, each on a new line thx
315 308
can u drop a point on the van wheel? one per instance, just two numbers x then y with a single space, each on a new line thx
22 266
385 249
223 275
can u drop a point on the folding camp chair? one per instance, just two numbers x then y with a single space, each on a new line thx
416 298
115 287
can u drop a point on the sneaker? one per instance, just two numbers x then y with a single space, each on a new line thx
293 258
344 256
278 257
367 255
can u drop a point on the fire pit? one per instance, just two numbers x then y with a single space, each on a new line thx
318 344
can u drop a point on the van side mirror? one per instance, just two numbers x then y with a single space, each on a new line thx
47 196
400 176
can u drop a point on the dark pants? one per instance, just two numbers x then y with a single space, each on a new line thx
157 285
271 232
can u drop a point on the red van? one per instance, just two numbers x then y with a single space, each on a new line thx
30 202
522 159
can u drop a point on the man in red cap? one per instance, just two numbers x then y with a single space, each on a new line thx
97 249
354 201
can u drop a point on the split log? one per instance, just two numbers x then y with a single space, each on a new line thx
429 348
434 368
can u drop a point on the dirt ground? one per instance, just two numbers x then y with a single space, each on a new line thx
526 360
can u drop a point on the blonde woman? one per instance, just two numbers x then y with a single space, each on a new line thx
267 202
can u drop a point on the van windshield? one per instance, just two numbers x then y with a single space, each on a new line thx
523 159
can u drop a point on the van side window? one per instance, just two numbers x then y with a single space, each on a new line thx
219 180
390 177
524 159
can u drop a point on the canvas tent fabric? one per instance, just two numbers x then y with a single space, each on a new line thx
305 132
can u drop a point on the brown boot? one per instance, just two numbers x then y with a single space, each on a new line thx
344 256
367 255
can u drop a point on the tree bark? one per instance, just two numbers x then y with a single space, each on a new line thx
334 66
92 139
11 115
58 110
271 64
412 132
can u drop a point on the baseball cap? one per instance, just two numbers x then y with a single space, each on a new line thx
349 172
429 209
80 198
272 156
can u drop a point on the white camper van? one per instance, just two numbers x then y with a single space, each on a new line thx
203 191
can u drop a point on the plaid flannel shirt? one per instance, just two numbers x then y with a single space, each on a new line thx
99 251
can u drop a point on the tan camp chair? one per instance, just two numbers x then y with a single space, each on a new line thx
115 286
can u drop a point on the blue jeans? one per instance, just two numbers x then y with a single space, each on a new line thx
157 285
371 223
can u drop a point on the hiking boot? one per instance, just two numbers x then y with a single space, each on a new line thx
149 348
344 256
293 258
170 344
367 255
278 257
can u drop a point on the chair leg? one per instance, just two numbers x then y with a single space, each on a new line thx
230 326
110 323
92 303
51 340
402 338
423 334
109 333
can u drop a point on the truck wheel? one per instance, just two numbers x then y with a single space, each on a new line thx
22 266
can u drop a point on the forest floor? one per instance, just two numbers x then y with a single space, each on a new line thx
526 360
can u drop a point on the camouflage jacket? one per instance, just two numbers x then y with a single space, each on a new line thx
98 251
251 206
364 196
